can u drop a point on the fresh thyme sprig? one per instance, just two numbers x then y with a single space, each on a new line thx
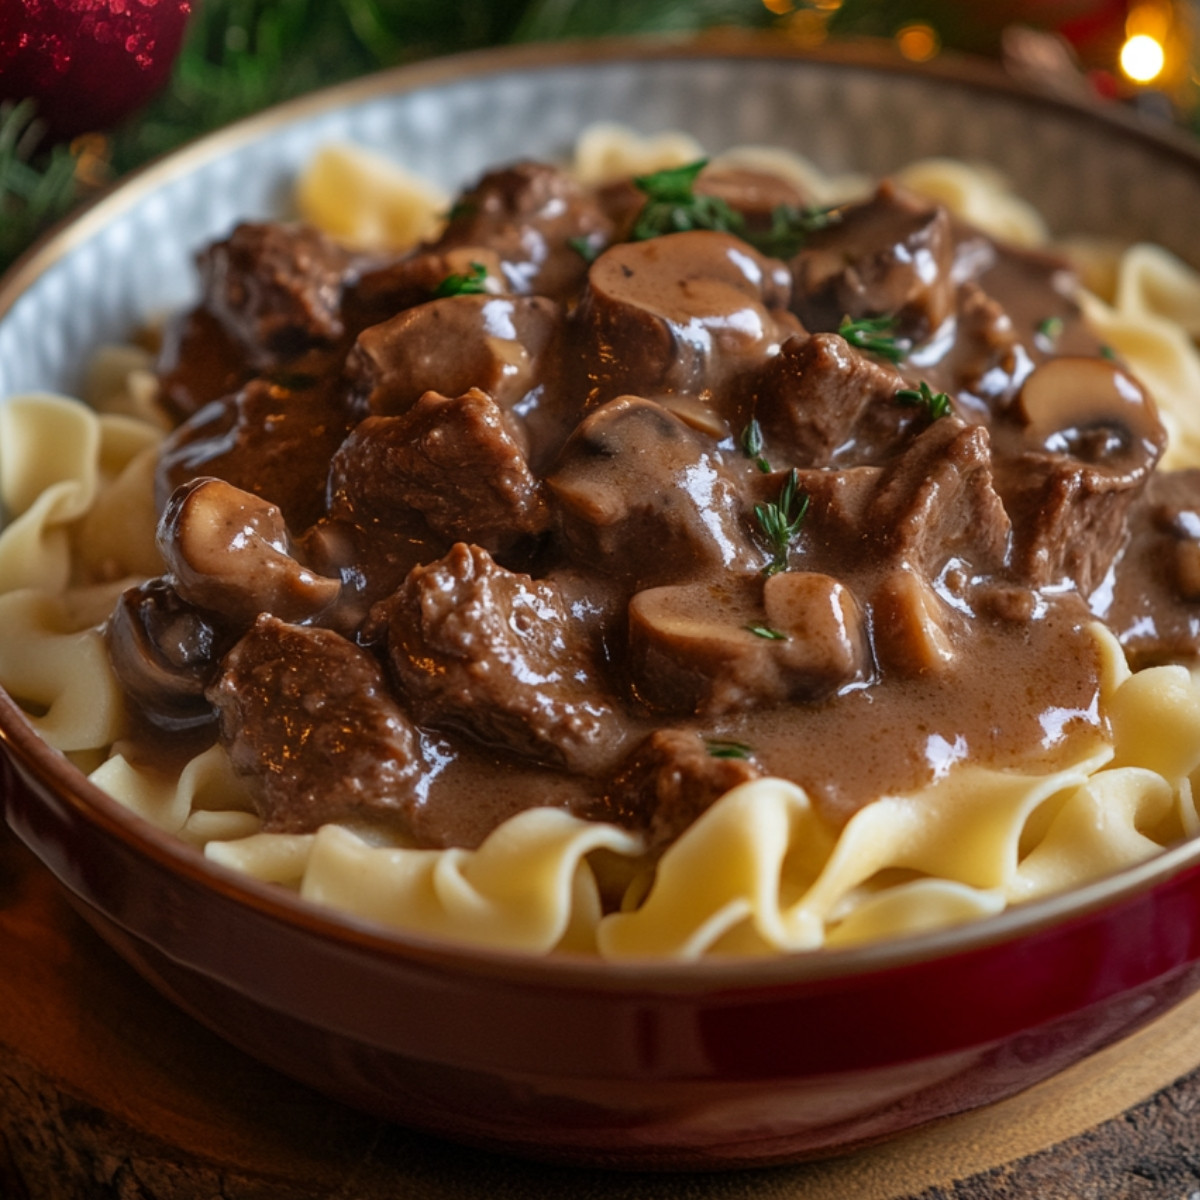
876 335
588 250
780 521
673 205
473 283
935 404
726 748
752 446
791 227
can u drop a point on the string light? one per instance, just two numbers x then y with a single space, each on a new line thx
918 42
1142 58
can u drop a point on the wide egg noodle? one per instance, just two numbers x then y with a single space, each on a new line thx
520 890
368 201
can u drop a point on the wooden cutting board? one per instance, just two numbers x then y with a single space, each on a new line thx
108 1093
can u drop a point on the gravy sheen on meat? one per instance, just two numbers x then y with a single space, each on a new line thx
538 513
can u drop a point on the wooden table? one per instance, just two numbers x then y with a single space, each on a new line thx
108 1093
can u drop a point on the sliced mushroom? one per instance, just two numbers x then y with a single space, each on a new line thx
913 626
230 553
697 648
1093 410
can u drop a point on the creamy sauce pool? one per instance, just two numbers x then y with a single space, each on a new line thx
565 509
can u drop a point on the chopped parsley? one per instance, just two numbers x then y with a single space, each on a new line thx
588 250
1049 330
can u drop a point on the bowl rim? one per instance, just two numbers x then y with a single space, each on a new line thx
31 755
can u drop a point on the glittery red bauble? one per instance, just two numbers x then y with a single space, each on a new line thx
88 63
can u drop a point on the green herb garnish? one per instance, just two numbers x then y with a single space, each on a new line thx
1106 351
765 631
672 205
461 209
877 335
473 283
752 445
935 404
723 748
791 226
584 248
781 521
1050 329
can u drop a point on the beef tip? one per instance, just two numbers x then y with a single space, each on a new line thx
643 496
371 556
269 438
696 649
1090 436
530 214
230 553
891 255
669 781
494 653
275 289
307 718
819 400
937 501
1155 604
988 360
165 652
198 362
381 290
506 346
454 461
933 502
681 314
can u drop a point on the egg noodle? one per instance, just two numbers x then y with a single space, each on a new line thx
760 872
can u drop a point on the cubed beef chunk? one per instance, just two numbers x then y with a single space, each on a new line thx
507 346
643 496
230 553
819 400
198 362
275 289
670 780
938 501
694 648
681 314
478 648
1090 437
891 255
381 290
165 652
454 461
530 214
269 439
308 719
753 193
1155 603
933 502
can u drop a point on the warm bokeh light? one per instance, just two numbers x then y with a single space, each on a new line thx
779 7
1142 58
917 42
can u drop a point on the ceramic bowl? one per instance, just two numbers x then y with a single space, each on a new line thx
688 1065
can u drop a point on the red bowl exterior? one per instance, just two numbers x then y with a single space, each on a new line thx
698 1066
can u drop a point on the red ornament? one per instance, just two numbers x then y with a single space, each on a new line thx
88 63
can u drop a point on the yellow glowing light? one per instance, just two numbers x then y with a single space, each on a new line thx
1142 58
917 42
779 7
